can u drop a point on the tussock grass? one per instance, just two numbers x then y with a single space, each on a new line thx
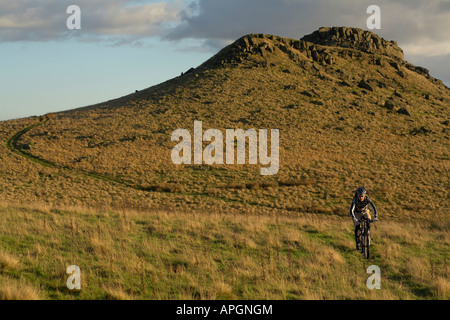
15 290
126 254
332 139
96 186
116 293
8 262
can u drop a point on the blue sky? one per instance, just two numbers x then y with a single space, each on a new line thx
37 78
125 46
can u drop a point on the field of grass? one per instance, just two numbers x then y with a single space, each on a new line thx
213 255
96 187
333 138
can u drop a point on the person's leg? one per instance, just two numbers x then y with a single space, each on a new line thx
358 216
357 229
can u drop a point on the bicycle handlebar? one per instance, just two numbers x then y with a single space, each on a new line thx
369 220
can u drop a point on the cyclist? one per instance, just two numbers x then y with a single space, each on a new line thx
359 208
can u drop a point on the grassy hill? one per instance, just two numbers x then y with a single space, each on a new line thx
350 110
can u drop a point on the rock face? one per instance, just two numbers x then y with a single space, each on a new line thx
355 38
326 46
319 46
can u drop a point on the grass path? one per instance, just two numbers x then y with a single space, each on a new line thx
14 146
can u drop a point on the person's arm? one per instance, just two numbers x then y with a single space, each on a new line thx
352 209
375 213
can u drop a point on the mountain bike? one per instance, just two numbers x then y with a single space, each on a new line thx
364 236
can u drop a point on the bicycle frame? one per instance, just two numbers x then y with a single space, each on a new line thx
364 236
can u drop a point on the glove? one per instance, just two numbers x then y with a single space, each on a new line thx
375 219
355 222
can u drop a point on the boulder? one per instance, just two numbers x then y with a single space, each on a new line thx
389 104
404 111
364 85
307 93
421 130
24 146
345 83
395 65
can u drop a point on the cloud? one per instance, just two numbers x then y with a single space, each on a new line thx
27 20
427 48
407 21
439 66
228 20
419 26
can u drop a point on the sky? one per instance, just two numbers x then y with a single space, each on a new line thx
124 45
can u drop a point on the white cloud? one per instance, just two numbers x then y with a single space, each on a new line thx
25 20
429 48
439 66
419 26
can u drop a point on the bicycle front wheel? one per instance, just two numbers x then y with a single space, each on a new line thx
366 246
361 241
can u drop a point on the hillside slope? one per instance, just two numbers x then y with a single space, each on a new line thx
351 111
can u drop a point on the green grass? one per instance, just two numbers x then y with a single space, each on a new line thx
283 237
169 255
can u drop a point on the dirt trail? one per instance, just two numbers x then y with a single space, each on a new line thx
13 146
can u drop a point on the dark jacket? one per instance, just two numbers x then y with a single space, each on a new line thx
361 206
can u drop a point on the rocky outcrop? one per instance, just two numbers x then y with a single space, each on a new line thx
320 46
326 46
355 38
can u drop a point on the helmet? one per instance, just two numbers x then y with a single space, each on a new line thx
361 191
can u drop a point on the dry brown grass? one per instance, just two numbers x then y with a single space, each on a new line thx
98 186
441 286
176 255
8 262
323 157
15 290
116 293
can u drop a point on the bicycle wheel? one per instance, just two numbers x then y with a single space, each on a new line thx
366 246
361 241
